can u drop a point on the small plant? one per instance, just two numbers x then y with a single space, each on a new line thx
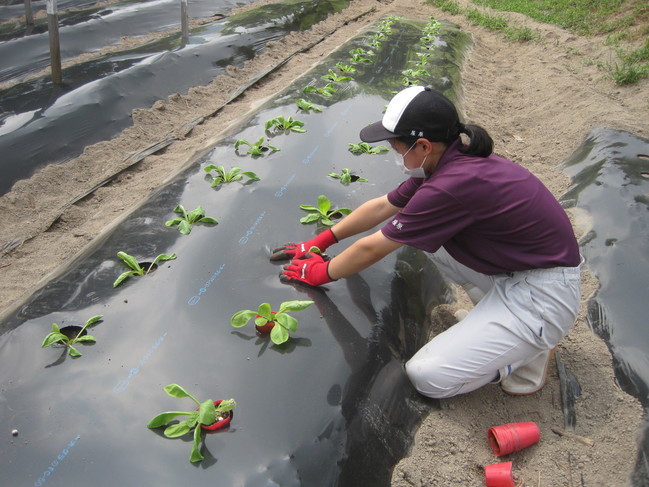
359 58
208 413
56 337
346 68
332 76
256 149
136 269
281 322
346 176
328 90
322 213
223 176
365 148
307 105
362 52
415 73
423 58
282 123
184 222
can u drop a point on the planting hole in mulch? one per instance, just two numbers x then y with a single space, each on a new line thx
72 332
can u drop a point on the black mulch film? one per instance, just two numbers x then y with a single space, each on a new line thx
332 406
610 183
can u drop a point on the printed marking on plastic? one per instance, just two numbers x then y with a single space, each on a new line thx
310 155
193 301
123 384
250 232
331 129
59 458
282 190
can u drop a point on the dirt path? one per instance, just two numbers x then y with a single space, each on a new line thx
538 100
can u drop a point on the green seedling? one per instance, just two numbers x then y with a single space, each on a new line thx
56 337
327 90
206 415
281 123
365 148
332 76
345 68
423 58
283 323
362 52
323 213
346 176
136 269
359 58
415 73
410 82
307 105
185 221
256 149
375 44
234 174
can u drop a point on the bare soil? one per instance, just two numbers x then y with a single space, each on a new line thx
538 100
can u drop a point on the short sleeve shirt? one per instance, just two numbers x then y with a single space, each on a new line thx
489 213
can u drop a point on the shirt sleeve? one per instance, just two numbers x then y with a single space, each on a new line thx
428 220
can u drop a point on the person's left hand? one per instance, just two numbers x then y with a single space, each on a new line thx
310 269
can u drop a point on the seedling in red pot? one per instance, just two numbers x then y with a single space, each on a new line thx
56 337
184 222
224 176
136 268
210 416
323 213
278 323
257 149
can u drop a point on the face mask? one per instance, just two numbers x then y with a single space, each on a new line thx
417 172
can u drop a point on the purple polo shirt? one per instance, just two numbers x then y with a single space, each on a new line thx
490 214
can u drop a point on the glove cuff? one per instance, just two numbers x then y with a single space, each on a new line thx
327 271
324 240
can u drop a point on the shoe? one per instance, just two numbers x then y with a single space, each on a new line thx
460 314
530 377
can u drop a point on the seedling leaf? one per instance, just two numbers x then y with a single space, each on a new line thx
176 430
129 260
294 306
240 318
73 351
196 454
174 390
278 335
163 418
287 321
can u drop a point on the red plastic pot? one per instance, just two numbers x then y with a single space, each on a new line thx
512 437
499 475
264 329
217 425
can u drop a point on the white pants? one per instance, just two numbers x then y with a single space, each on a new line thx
520 314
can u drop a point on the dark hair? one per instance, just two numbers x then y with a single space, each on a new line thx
480 142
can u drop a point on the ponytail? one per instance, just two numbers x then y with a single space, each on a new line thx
480 142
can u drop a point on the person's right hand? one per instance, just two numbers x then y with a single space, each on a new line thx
294 250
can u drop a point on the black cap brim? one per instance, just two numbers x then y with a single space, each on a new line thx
376 132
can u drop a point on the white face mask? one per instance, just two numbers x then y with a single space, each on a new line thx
417 172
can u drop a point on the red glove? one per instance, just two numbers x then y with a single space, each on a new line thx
310 269
294 250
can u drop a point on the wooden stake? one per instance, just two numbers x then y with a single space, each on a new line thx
184 21
29 15
55 48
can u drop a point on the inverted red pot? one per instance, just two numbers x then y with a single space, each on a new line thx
217 425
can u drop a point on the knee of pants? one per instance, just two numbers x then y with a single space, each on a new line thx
430 377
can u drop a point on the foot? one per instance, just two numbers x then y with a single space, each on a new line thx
530 377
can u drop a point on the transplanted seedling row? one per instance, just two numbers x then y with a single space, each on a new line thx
211 415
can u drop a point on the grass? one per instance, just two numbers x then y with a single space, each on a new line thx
624 22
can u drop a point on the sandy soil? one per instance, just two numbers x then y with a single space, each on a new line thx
538 100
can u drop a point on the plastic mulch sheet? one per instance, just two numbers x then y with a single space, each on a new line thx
332 405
